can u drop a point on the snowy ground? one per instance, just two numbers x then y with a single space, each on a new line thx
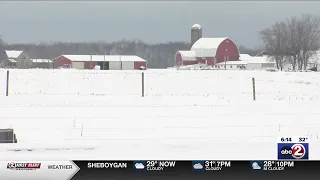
73 114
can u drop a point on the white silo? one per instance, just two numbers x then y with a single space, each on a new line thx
196 33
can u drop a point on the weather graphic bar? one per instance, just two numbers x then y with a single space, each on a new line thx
168 169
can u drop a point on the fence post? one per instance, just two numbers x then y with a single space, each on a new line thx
7 84
82 130
142 88
254 89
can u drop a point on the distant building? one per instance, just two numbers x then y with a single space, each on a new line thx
42 63
258 62
19 59
209 51
106 62
248 62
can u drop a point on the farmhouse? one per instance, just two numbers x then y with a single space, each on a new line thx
314 61
104 62
257 62
18 59
247 62
42 63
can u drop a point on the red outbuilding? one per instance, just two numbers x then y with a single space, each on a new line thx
209 51
104 62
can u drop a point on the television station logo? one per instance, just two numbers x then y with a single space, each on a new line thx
23 166
293 150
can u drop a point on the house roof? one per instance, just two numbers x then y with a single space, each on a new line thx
101 58
41 60
207 47
13 53
261 59
245 57
188 55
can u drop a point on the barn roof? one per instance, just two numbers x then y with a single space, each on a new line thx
13 53
101 58
207 47
188 55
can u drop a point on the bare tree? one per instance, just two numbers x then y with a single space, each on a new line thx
294 40
3 58
275 39
310 38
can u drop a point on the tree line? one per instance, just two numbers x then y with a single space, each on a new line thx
290 41
294 41
158 55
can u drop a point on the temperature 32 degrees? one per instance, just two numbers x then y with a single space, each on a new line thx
216 165
159 165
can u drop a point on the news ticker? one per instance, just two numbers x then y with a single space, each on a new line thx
64 170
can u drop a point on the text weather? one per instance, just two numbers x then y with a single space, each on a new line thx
277 165
216 165
159 165
113 165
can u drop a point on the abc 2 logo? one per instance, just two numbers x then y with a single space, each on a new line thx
293 151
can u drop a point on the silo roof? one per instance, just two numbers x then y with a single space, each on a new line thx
196 26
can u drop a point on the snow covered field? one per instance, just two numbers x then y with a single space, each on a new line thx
73 114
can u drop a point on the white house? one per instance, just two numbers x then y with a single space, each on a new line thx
19 58
314 61
260 63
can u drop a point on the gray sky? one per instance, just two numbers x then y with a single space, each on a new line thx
152 22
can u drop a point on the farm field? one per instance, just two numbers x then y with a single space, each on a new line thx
85 114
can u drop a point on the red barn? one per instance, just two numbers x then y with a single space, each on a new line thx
106 62
209 51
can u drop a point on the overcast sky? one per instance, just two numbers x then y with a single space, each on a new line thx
152 22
